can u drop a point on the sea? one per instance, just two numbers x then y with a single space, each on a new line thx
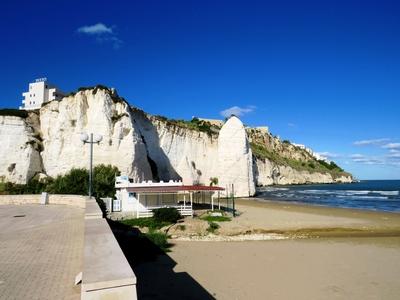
378 195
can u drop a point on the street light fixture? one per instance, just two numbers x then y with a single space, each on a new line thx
91 139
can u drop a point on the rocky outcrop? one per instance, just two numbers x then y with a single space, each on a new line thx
20 148
235 160
268 173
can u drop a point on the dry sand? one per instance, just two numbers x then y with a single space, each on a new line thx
361 268
350 254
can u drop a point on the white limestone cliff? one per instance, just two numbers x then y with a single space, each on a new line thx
91 111
235 159
143 146
19 152
191 154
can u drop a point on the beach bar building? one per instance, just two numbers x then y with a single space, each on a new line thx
142 198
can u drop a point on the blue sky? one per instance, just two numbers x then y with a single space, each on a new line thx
321 73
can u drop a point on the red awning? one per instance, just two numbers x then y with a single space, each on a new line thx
175 189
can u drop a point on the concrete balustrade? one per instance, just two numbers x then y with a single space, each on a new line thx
72 200
106 273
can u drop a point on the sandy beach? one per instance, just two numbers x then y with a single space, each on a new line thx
329 253
282 220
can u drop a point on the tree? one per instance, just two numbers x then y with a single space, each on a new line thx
213 181
104 181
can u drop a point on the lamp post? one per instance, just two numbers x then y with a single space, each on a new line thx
90 139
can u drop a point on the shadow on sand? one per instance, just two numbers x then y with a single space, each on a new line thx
156 278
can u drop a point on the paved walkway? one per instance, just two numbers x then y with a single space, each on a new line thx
41 251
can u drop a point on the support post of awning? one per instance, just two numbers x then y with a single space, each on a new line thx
191 202
137 205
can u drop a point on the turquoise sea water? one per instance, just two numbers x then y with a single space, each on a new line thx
382 195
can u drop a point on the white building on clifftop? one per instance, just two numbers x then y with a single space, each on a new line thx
40 91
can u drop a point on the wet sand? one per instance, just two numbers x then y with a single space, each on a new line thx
307 220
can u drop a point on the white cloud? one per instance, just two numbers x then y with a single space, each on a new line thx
237 111
102 33
371 142
394 155
98 28
392 146
291 125
368 160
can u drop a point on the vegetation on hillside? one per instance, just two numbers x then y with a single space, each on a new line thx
262 152
194 124
114 96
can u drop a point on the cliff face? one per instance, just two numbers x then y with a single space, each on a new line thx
196 156
150 147
20 146
280 162
268 173
91 111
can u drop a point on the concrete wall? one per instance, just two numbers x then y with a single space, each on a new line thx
72 200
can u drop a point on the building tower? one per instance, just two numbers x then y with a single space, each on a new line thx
40 91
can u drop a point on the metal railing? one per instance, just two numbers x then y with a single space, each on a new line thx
148 212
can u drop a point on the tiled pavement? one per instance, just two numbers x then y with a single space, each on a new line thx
41 250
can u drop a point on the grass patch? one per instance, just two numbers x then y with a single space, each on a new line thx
150 223
209 218
160 239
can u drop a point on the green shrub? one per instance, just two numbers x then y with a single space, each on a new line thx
160 239
166 214
181 227
76 182
212 227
